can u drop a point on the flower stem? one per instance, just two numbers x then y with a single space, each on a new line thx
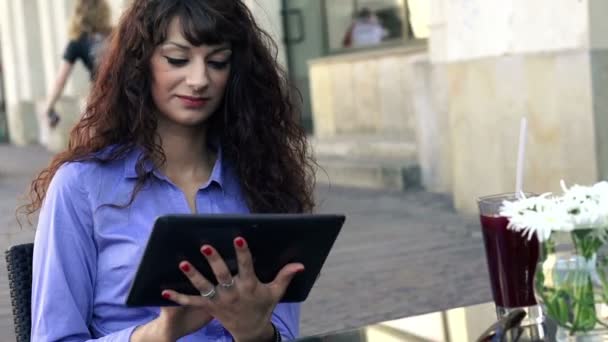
586 244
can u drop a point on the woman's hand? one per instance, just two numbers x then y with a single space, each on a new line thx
172 323
243 305
183 320
52 117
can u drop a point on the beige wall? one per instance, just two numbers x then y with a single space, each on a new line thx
364 93
393 94
431 111
488 97
484 28
507 59
491 63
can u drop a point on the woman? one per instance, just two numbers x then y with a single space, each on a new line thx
89 27
189 113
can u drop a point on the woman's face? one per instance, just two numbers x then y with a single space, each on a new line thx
188 82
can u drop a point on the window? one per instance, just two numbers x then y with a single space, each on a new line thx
369 23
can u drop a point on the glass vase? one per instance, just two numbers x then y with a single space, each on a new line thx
571 284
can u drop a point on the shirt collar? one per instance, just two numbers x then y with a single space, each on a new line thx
130 172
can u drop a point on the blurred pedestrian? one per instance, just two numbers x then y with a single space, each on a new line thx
365 30
89 27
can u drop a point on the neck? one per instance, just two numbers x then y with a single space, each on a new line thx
186 152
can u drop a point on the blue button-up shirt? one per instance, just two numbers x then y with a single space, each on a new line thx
86 252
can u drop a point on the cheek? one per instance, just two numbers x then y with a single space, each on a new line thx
157 80
157 96
164 78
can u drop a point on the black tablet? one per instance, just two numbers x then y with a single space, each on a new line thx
274 241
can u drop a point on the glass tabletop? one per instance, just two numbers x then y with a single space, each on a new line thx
453 325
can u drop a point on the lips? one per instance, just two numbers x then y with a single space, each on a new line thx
193 102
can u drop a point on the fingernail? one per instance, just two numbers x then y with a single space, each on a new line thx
166 295
208 251
300 270
185 267
240 242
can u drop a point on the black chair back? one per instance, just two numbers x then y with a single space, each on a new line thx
19 265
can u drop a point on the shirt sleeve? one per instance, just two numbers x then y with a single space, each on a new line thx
64 264
286 317
72 51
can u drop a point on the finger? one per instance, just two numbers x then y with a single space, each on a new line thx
244 259
183 299
218 266
200 283
280 283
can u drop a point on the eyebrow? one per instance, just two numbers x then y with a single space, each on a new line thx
186 47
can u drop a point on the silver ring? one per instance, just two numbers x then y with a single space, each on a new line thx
210 294
227 286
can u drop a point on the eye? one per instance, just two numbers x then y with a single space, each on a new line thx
176 61
218 65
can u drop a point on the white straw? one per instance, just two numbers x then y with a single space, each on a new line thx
521 154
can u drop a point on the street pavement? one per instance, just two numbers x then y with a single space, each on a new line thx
399 254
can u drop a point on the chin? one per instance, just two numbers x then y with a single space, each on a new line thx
187 118
191 120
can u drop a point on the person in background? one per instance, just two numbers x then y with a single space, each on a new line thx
89 26
365 30
189 112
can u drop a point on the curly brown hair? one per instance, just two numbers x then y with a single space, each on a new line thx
90 16
257 125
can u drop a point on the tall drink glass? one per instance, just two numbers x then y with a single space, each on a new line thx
511 260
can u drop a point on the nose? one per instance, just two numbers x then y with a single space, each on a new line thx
197 78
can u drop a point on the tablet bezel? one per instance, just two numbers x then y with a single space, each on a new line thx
305 238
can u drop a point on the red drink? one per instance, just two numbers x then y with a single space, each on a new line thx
511 259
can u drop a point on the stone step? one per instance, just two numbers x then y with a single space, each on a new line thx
367 162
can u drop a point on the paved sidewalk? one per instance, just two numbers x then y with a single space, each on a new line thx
399 253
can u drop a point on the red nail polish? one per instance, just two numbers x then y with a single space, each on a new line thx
208 251
185 267
240 242
166 295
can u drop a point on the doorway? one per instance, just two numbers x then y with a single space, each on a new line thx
305 39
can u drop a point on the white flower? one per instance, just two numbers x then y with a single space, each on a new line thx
580 207
535 215
586 206
544 223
